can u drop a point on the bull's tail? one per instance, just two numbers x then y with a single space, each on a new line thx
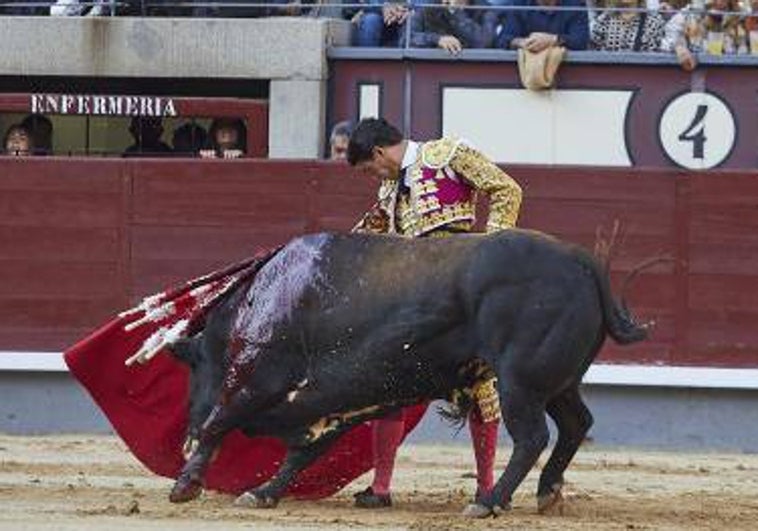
619 321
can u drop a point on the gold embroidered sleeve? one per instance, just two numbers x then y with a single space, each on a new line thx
504 193
374 222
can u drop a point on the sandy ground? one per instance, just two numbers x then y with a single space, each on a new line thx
94 483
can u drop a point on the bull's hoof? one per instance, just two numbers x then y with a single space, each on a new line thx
185 491
255 501
551 502
479 510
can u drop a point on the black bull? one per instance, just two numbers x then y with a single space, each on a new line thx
338 329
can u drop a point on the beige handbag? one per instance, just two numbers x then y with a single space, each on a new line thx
537 70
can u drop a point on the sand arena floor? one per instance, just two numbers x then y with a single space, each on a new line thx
92 482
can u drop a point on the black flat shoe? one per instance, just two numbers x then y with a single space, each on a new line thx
367 499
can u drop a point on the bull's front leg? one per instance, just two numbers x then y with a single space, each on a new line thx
309 445
189 484
222 419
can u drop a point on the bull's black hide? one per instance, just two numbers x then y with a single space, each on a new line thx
338 329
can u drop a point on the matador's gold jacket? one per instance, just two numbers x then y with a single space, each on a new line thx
440 190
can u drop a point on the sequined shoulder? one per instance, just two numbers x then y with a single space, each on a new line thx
439 153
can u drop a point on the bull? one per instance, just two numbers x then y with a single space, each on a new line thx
334 330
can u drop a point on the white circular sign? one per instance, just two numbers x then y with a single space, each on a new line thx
697 130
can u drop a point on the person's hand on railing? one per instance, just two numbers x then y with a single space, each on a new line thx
685 57
538 41
450 44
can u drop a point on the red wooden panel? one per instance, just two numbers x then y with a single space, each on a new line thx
80 239
218 193
165 256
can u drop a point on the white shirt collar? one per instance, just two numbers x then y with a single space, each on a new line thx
410 155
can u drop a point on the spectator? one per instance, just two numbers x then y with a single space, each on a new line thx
537 30
227 139
751 28
73 8
627 30
18 141
449 27
189 139
147 132
41 129
691 31
339 140
379 24
491 20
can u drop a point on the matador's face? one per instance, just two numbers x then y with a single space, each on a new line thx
383 165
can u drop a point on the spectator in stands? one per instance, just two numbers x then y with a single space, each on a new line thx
18 141
449 27
751 27
75 8
627 30
227 139
715 31
379 23
147 132
189 139
41 129
491 20
339 140
537 30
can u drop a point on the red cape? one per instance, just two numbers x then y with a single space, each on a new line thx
147 406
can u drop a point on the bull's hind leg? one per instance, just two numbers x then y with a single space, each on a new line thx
524 415
573 421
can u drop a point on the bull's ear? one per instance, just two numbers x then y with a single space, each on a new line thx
186 350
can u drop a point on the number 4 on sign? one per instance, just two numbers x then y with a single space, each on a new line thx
698 138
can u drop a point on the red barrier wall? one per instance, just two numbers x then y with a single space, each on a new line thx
83 239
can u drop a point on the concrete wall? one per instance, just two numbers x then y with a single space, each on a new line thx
274 48
291 52
653 417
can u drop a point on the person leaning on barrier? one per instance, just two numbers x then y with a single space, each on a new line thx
450 27
188 139
717 30
41 129
378 23
18 141
538 29
75 8
227 139
147 132
751 27
627 30
339 140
